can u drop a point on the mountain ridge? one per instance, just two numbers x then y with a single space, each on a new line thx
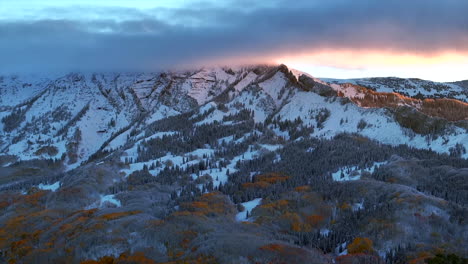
158 95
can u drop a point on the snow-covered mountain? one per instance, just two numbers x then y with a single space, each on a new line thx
74 116
263 162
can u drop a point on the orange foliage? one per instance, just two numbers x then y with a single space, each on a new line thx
4 204
89 262
304 188
77 225
113 216
312 198
360 245
259 185
7 199
21 248
12 228
209 204
137 258
202 259
188 236
187 213
33 199
314 220
273 247
265 180
449 109
359 258
66 227
19 235
296 223
421 258
178 254
345 206
97 226
300 214
360 139
305 224
392 180
210 195
154 223
277 205
199 204
417 261
249 223
271 178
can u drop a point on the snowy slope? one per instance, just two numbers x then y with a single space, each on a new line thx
103 107
77 115
409 87
379 123
15 89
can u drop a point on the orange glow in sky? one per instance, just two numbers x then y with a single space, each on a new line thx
449 66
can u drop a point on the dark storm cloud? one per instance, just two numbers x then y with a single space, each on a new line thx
201 33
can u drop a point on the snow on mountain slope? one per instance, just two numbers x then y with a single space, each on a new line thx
416 88
69 104
253 99
206 84
263 105
354 173
78 115
248 207
375 123
446 108
245 81
276 87
16 89
98 109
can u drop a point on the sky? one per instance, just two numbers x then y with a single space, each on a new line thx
425 39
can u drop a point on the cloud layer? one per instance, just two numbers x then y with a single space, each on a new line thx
118 38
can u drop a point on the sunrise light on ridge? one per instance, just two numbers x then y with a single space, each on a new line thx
361 63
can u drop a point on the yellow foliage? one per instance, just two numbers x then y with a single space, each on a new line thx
345 206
